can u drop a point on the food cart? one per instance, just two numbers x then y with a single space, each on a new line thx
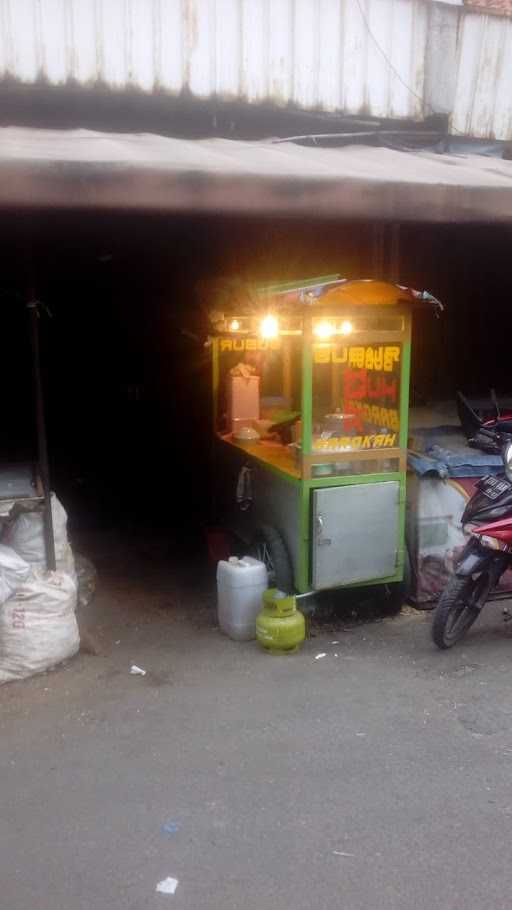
310 407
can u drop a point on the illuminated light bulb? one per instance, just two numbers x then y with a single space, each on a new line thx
323 329
346 327
234 325
269 327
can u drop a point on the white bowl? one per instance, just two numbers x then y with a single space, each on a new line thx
246 434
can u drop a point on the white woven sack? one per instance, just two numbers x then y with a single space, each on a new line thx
13 571
26 535
38 627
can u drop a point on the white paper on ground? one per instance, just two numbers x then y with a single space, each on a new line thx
167 886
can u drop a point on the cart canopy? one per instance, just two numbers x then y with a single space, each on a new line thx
326 292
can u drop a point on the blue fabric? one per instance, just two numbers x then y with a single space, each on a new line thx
447 454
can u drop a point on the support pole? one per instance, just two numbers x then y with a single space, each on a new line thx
394 254
42 445
377 251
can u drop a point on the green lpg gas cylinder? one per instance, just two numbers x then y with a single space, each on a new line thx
280 627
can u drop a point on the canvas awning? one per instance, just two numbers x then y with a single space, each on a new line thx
91 170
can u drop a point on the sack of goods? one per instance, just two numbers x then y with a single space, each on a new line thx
24 532
13 572
38 627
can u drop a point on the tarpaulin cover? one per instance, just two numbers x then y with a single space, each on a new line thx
445 453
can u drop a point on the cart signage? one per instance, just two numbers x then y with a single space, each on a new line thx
381 358
227 345
360 385
371 413
371 441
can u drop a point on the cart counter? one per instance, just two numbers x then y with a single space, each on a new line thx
272 454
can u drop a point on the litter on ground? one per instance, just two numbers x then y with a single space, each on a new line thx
167 885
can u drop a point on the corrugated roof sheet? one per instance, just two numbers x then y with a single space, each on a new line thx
82 169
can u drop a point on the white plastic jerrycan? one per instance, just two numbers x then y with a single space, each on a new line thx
240 587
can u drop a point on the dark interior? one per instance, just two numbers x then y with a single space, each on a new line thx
126 374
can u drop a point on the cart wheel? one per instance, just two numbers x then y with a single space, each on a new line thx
268 546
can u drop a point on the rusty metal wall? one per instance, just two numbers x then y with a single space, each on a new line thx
482 103
382 58
355 56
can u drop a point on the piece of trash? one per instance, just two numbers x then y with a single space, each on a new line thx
360 734
334 642
137 671
171 827
168 885
118 642
340 853
336 654
318 656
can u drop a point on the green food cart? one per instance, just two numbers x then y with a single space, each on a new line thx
310 408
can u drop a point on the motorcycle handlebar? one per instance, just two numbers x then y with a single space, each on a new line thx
497 436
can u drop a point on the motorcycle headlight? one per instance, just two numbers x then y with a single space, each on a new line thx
507 460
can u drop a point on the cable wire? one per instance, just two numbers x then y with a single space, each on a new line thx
395 72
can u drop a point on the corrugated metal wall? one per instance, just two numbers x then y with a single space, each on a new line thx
482 103
384 58
335 55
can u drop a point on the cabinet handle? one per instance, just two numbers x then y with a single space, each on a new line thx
322 541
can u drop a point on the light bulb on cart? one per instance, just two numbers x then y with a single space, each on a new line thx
346 327
323 329
234 325
269 327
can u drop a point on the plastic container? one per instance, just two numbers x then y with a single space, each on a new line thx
243 400
240 587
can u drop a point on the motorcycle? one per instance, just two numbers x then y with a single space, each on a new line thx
487 520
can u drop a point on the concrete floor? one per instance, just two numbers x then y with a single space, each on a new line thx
378 778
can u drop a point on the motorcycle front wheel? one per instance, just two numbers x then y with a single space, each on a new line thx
456 610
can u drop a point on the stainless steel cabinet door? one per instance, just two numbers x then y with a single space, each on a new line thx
355 533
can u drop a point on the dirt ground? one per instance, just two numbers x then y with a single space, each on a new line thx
375 776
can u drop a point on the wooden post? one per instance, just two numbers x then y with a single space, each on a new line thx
42 444
394 254
377 259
